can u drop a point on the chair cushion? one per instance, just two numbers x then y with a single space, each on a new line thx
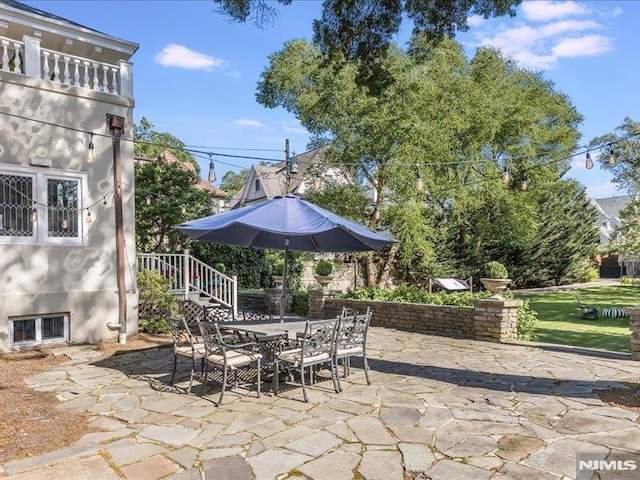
293 356
186 351
346 352
234 359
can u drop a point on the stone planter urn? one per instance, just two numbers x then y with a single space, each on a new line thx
495 285
324 280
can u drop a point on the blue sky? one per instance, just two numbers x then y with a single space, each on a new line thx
195 73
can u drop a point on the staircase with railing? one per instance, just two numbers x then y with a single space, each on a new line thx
192 279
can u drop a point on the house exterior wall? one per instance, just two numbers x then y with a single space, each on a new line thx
77 279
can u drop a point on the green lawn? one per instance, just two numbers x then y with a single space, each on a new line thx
559 317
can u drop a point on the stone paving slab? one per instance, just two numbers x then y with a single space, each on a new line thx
438 408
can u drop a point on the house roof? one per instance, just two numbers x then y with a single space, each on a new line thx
609 214
20 19
273 178
202 184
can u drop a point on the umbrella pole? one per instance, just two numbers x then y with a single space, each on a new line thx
284 279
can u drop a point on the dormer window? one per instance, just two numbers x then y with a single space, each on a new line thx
257 185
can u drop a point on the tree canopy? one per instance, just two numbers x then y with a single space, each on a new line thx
363 29
458 126
149 143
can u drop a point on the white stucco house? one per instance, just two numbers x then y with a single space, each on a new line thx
60 82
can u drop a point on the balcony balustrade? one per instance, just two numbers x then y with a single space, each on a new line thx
28 58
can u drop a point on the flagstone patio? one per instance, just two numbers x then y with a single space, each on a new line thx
438 408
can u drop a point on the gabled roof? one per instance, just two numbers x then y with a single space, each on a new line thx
273 178
609 214
168 157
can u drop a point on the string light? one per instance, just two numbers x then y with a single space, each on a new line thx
612 156
524 186
64 223
317 184
88 219
212 171
91 154
33 216
589 163
506 178
419 184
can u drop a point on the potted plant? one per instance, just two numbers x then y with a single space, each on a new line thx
496 277
220 267
276 272
323 271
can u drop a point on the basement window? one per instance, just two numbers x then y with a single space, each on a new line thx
25 332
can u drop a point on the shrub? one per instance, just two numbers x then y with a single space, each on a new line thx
495 269
414 294
324 268
300 303
527 320
277 268
220 267
156 302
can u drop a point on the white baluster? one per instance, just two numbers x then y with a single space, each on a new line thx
45 65
17 64
86 74
56 68
76 72
96 79
67 75
5 55
105 80
114 81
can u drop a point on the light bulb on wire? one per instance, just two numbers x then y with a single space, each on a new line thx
588 163
91 154
88 219
612 156
33 216
506 178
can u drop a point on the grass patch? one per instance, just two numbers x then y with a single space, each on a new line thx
559 317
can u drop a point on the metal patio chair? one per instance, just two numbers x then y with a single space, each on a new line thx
316 346
351 341
185 345
229 358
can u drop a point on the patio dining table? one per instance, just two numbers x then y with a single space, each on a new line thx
272 336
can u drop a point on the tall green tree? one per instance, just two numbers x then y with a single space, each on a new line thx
363 29
455 124
149 143
165 196
233 182
620 156
624 145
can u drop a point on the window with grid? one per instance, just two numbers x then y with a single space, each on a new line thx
28 331
16 194
40 206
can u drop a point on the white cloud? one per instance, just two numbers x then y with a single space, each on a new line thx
248 123
587 46
540 47
174 55
547 10
475 20
234 74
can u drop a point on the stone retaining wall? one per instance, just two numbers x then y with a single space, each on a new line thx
492 319
634 326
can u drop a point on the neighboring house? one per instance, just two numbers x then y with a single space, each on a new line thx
59 81
218 197
616 265
265 182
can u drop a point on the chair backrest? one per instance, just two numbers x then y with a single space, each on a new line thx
180 333
318 337
212 339
217 313
253 314
352 330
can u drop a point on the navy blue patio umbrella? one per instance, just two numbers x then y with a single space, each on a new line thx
285 223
